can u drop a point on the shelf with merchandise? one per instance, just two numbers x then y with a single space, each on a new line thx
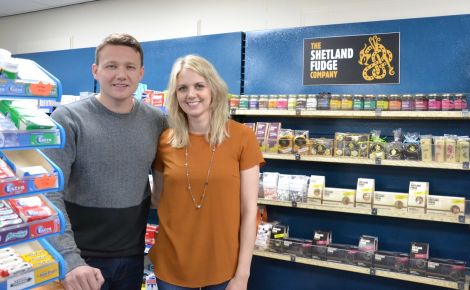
448 218
363 270
25 181
26 171
377 114
31 223
365 161
44 266
33 82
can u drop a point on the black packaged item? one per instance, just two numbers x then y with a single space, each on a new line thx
395 148
345 254
446 269
377 145
279 231
419 254
297 247
412 147
391 261
367 247
275 245
364 258
321 239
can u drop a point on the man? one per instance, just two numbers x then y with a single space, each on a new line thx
111 141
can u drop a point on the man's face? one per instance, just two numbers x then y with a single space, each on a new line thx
119 72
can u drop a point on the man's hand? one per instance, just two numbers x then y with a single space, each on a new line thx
83 278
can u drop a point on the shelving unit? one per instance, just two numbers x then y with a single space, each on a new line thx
456 219
364 270
19 150
356 114
383 162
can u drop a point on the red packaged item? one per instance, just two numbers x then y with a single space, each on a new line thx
31 208
5 172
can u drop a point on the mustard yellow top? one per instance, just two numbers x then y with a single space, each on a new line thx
199 247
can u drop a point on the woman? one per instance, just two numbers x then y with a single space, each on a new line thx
206 203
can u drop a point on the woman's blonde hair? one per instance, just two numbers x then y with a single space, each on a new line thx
219 113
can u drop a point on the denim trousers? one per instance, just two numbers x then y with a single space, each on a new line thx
122 273
162 285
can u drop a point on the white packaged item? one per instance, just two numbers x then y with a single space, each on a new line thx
418 192
391 201
315 189
342 197
270 185
283 187
450 205
365 192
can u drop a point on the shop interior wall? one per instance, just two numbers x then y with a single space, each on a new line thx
85 25
434 58
73 66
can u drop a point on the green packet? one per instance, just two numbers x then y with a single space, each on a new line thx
26 118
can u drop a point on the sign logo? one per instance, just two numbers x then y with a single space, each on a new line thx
377 60
356 59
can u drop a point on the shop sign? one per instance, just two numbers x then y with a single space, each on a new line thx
357 59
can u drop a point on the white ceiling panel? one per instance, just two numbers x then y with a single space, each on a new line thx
15 7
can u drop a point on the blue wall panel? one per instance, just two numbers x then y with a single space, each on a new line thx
73 67
222 50
435 57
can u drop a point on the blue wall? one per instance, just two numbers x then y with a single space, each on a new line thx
73 67
435 57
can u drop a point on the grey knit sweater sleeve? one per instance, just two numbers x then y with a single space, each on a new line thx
64 159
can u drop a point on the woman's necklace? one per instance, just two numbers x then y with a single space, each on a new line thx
206 183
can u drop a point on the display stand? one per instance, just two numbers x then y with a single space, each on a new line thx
33 83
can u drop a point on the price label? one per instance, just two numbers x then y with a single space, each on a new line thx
233 111
372 271
297 156
374 211
461 219
294 203
465 113
378 112
298 112
465 165
378 161
461 285
292 258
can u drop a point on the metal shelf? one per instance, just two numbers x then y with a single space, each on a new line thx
464 115
457 219
365 161
363 270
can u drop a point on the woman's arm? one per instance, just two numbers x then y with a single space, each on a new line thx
157 187
249 193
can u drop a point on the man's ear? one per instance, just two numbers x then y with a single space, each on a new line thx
94 70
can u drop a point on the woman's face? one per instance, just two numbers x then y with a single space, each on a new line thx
194 95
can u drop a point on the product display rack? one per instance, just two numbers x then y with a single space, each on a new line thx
457 219
356 114
33 83
364 270
365 161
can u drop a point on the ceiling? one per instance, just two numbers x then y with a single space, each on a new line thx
15 7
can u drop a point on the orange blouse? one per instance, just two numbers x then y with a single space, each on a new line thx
199 247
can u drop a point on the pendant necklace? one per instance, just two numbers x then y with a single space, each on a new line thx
198 205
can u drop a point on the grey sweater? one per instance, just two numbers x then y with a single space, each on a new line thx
106 162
